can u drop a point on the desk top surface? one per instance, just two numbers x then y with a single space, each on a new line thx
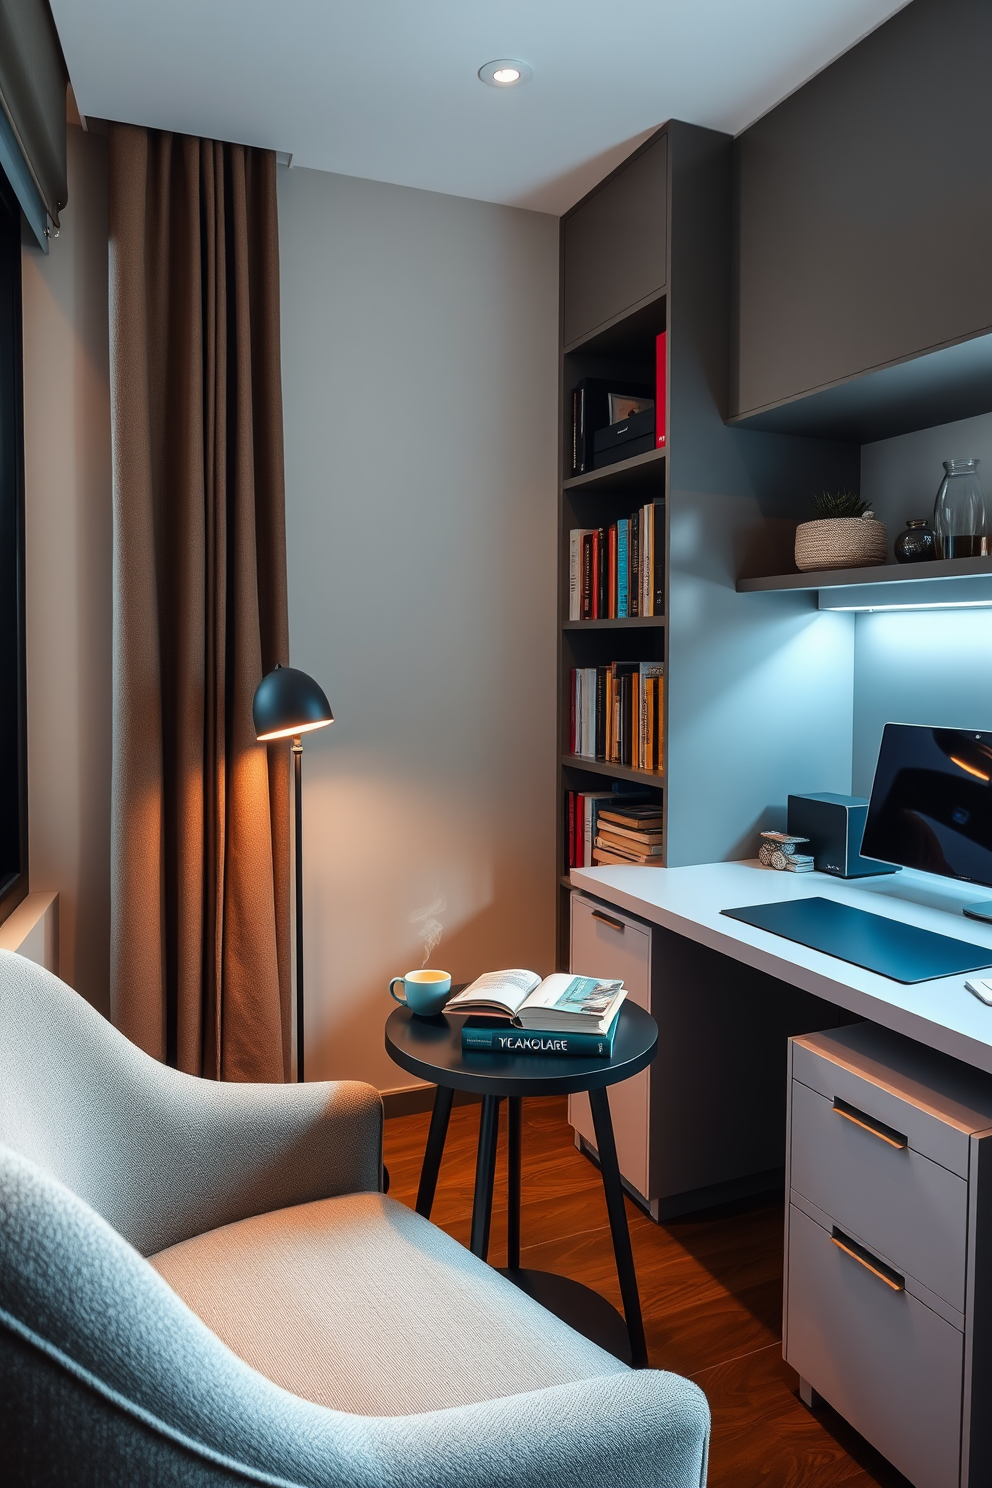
942 1013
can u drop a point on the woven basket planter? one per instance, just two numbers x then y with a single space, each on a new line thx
841 542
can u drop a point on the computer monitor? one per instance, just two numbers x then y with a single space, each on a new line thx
931 805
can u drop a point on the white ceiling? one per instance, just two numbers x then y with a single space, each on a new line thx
387 89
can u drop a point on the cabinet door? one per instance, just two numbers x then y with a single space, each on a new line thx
606 943
615 244
862 232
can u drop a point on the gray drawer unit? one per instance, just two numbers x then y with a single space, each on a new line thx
871 1181
888 1276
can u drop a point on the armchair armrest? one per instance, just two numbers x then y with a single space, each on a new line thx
645 1429
201 1154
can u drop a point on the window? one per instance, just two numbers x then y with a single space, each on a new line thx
13 698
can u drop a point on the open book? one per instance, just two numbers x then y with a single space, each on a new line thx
561 1003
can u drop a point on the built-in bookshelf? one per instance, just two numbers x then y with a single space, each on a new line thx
650 250
614 308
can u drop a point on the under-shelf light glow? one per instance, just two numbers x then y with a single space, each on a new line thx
949 604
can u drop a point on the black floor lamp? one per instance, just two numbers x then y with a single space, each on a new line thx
287 704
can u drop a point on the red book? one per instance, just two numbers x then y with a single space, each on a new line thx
660 388
612 572
569 828
594 615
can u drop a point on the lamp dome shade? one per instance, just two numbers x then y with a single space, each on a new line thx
288 702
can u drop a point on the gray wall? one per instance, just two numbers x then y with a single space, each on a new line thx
924 666
420 384
68 547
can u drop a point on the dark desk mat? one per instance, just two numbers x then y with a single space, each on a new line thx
891 947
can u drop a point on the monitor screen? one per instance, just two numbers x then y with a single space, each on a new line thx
931 802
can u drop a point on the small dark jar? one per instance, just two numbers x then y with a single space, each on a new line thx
917 543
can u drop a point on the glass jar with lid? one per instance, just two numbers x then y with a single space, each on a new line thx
962 522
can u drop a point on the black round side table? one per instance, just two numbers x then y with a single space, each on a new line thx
431 1048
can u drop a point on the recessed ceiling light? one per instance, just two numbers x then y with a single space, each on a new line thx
505 73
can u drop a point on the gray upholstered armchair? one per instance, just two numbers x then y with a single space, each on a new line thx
202 1284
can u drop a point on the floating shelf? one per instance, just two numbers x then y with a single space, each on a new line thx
940 584
640 473
951 382
635 622
615 772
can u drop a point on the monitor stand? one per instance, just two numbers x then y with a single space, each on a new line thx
980 911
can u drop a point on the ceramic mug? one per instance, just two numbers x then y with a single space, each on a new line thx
425 992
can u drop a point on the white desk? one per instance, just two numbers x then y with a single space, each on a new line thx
688 901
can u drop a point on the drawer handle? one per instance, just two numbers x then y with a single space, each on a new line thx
598 914
870 1124
865 1258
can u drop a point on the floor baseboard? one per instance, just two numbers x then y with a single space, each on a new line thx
417 1098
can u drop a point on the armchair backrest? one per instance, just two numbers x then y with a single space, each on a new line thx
74 1092
159 1154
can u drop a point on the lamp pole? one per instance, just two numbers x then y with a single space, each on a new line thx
298 791
287 704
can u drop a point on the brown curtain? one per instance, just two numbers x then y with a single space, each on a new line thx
200 848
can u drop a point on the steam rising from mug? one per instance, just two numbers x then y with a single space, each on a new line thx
431 928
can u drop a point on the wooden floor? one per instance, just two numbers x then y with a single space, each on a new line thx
711 1291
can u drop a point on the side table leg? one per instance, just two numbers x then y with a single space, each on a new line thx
513 1184
600 1103
443 1098
485 1174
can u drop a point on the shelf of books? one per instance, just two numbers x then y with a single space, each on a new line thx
603 829
612 566
617 571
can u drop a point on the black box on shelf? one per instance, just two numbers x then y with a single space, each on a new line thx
632 436
834 825
591 414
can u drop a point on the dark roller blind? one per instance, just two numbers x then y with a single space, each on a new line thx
32 98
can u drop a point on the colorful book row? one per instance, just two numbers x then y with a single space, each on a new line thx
618 572
617 713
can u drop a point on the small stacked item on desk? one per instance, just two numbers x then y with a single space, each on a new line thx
630 834
515 1012
779 851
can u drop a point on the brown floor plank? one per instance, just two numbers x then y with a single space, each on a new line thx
710 1284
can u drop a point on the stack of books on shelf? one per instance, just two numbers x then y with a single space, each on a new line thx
515 1012
629 834
618 572
617 713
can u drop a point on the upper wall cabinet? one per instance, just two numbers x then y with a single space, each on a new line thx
614 244
864 207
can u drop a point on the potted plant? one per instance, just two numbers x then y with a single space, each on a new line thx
845 534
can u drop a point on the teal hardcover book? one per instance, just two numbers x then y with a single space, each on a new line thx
486 1038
